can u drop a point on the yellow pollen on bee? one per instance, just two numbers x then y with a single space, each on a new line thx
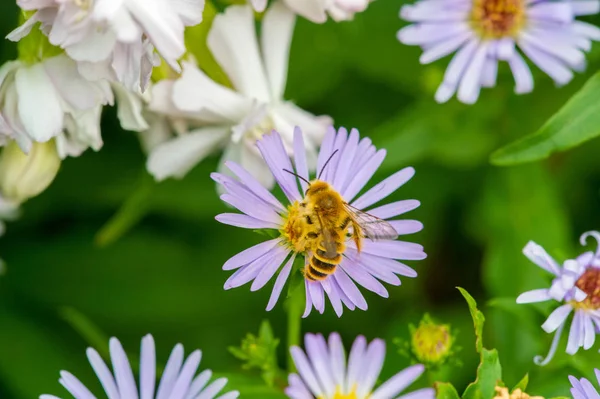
495 19
589 282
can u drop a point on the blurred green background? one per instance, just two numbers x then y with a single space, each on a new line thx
163 276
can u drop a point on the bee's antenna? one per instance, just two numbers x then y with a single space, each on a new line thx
297 175
326 162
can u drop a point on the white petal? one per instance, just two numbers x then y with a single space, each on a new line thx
129 109
178 156
96 46
232 40
38 103
313 10
276 37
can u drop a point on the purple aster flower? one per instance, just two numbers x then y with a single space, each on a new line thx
583 388
177 382
323 373
577 286
346 163
484 32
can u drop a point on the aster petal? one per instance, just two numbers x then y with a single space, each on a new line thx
443 48
251 254
296 388
319 361
394 209
232 40
547 63
147 368
361 276
362 177
103 373
123 372
585 7
270 268
557 318
345 160
398 382
404 227
317 296
470 84
490 72
306 371
334 296
254 185
589 332
184 380
170 373
455 71
280 282
350 290
256 209
424 393
539 295
374 357
74 386
213 389
343 297
326 149
521 73
540 257
576 334
337 358
330 167
384 188
355 362
276 37
249 272
198 384
393 249
300 157
272 149
244 221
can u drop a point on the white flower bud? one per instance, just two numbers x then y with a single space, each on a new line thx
23 176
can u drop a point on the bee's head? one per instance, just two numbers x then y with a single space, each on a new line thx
316 186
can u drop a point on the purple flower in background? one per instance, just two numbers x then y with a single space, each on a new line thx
583 388
577 287
323 373
177 382
484 32
346 163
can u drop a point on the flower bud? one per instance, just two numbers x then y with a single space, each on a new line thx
431 343
23 176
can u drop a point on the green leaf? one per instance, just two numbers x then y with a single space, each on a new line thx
489 373
478 318
445 390
575 123
522 385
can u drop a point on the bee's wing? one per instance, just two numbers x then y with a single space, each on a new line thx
328 241
372 227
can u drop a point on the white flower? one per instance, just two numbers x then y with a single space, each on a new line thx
207 116
317 10
177 380
50 99
115 39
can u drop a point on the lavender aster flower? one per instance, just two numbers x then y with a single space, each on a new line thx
323 374
583 388
346 163
177 382
484 32
577 287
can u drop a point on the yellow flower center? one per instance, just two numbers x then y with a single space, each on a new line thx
495 19
339 395
589 282
502 393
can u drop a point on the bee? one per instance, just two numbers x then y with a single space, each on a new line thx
332 217
323 223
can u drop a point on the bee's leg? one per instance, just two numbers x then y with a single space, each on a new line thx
356 236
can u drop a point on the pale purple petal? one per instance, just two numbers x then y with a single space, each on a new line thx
104 375
385 188
317 296
539 295
300 157
270 267
362 177
394 209
355 362
557 318
346 159
320 362
349 288
245 221
326 149
399 382
305 370
251 254
540 257
253 184
338 358
373 364
122 369
272 149
147 368
360 275
280 282
576 333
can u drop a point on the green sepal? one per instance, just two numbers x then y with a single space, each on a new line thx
445 390
522 385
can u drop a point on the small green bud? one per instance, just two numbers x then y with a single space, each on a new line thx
260 352
23 176
431 343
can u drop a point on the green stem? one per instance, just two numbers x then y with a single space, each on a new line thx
295 308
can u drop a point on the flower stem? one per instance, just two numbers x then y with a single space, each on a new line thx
295 307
